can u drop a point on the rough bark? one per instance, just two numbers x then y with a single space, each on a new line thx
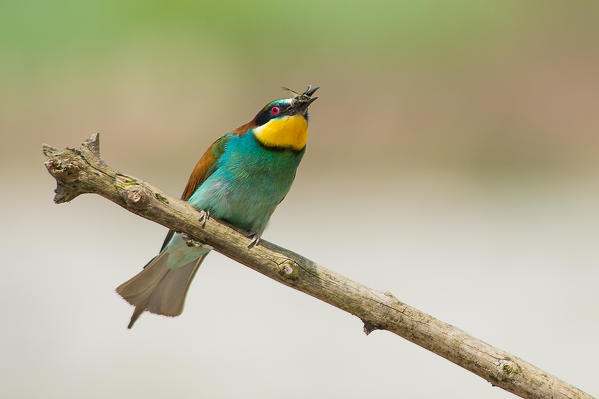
80 170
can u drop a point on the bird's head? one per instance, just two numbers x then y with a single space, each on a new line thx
283 124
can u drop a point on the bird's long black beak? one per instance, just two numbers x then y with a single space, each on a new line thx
303 101
310 90
301 104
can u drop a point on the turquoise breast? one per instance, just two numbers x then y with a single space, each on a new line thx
248 183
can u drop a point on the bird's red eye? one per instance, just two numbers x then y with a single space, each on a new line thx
275 110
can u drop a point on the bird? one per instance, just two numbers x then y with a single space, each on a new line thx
240 179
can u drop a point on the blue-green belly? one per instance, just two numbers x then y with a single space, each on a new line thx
248 182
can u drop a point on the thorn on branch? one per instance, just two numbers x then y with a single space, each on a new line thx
93 144
370 327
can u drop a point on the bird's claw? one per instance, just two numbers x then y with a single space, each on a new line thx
204 217
255 239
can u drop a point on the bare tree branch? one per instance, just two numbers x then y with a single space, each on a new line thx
80 170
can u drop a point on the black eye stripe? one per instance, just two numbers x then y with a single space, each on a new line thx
268 114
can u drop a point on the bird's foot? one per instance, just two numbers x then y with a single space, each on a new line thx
191 242
204 217
255 239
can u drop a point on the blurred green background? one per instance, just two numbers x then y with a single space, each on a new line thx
452 160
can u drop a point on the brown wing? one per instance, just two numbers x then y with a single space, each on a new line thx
205 166
199 173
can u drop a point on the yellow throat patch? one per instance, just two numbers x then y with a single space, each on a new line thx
286 132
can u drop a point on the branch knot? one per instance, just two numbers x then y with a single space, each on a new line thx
136 196
289 270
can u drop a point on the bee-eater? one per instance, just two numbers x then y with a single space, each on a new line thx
240 179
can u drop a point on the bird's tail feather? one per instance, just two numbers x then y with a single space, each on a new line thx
159 289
